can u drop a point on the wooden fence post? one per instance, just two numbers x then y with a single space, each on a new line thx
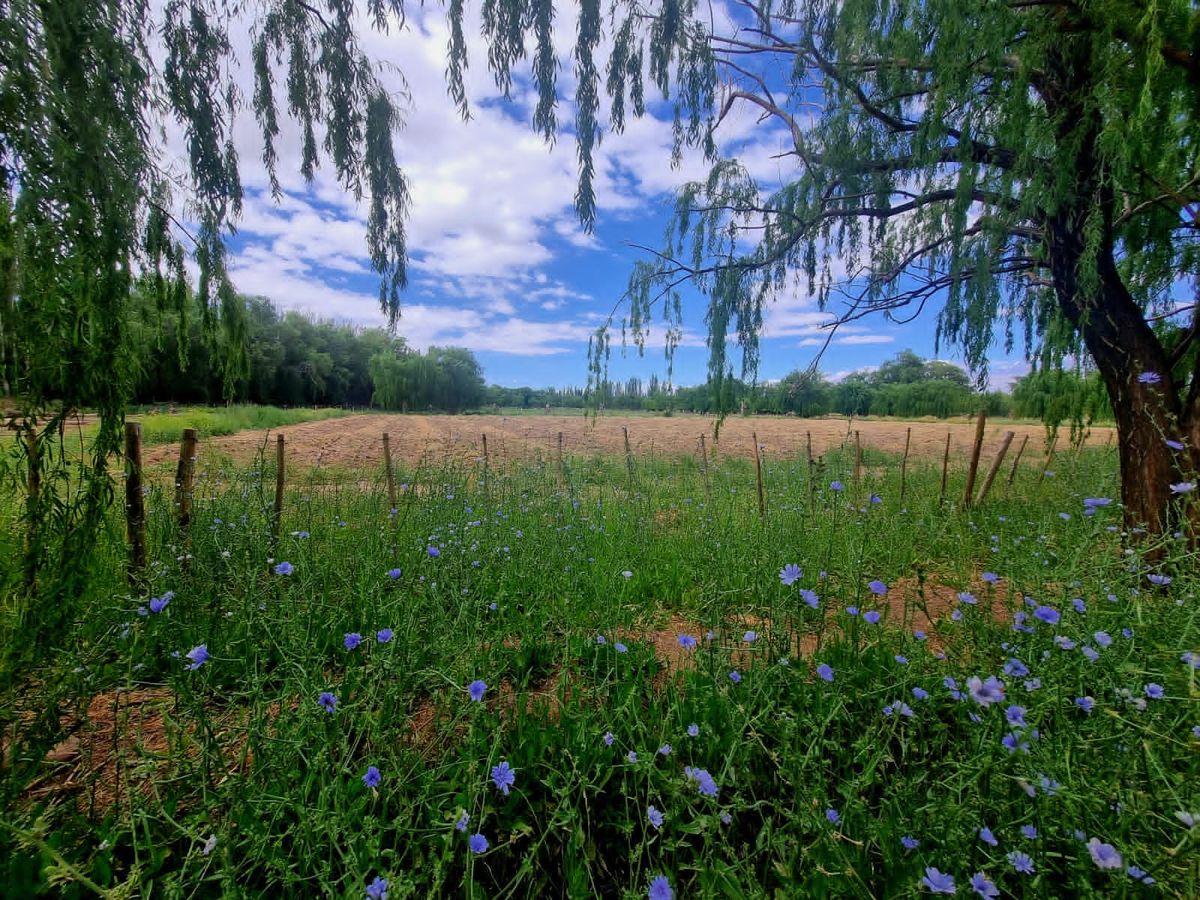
945 469
1016 460
277 517
485 463
904 464
135 503
704 464
628 455
857 456
996 463
184 475
1049 454
980 424
762 500
812 486
562 476
391 475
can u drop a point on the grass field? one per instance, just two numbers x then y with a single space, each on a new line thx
577 682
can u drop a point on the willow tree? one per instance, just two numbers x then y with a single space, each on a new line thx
1018 168
90 200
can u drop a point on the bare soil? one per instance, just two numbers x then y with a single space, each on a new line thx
357 441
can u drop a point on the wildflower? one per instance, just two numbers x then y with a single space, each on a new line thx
686 641
1032 684
352 640
461 824
158 604
284 568
1021 862
810 598
1174 445
833 815
956 615
704 781
1064 642
1012 742
968 598
1160 580
693 730
790 574
377 889
1149 377
909 842
660 889
608 738
476 689
983 887
434 552
327 701
938 882
655 817
836 486
198 655
478 843
985 693
209 845
1183 487
824 672
1094 502
1047 614
631 756
750 637
1091 653
1029 832
1015 716
627 574
383 635
664 750
985 835
1127 632
1191 658
1154 691
1087 704
620 648
1103 638
1188 819
372 778
393 574
1105 856
919 634
871 616
903 660
990 577
735 677
852 610
1139 875
1015 668
726 818
877 587
503 777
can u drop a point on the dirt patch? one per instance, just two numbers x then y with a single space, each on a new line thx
357 441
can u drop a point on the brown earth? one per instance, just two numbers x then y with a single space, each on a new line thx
357 441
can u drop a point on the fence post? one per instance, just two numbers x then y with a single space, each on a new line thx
135 503
996 463
562 476
1049 454
184 475
704 464
812 487
762 500
1016 460
857 457
485 463
391 475
980 424
628 455
33 509
945 468
277 516
904 464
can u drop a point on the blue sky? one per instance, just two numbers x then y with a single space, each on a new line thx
499 263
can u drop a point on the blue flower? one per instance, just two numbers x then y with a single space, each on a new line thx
660 889
1138 874
478 843
352 640
383 635
938 882
810 598
984 887
836 486
909 842
871 616
1021 862
1085 703
504 777
693 730
372 778
198 655
1047 614
877 587
1154 691
1013 743
750 637
1091 653
664 750
985 693
1105 856
1174 445
631 756
824 672
985 835
1191 658
875 498
476 689
1064 642
833 815
1160 580
852 610
990 577
1029 832
655 816
461 824
394 574
704 781
158 604
790 574
377 889
686 641
1183 487
1149 377
327 701
1103 638
284 568
434 552
920 693
735 677
608 738
968 598
620 648
1016 668
903 660
1015 716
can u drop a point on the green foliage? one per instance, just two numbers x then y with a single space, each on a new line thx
443 378
248 757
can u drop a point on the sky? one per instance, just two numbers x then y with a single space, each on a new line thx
498 261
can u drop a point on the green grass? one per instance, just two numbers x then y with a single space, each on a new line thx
531 570
214 421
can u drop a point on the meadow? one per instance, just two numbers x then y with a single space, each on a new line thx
574 680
